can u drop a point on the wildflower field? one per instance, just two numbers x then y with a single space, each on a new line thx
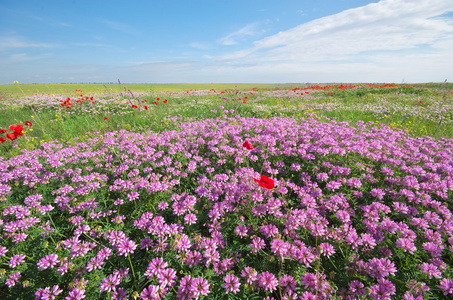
226 192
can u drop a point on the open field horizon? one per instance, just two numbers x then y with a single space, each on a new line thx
18 89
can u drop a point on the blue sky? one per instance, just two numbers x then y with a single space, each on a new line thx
247 41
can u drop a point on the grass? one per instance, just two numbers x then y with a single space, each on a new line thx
362 196
15 90
419 109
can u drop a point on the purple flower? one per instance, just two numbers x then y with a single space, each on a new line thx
446 285
13 279
119 294
155 267
378 193
383 290
381 267
333 185
76 294
3 251
48 262
231 284
326 249
257 244
190 219
16 260
279 247
211 255
199 286
166 277
184 289
133 196
152 292
126 247
430 269
109 284
250 274
268 281
288 282
367 241
241 231
95 263
48 293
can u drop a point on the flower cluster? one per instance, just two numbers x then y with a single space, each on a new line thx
357 211
16 131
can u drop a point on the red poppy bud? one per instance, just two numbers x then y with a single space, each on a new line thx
105 118
265 182
247 145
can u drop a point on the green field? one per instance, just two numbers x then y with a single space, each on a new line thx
225 191
425 109
14 90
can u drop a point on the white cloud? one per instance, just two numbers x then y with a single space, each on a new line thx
19 57
15 42
384 26
246 31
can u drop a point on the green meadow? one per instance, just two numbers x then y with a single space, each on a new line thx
226 191
421 109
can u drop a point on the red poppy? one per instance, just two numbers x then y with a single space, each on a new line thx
105 118
247 145
146 107
265 182
165 101
11 136
2 140
134 106
17 129
155 102
2 131
28 123
158 99
421 101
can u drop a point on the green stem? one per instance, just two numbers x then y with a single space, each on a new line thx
130 262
